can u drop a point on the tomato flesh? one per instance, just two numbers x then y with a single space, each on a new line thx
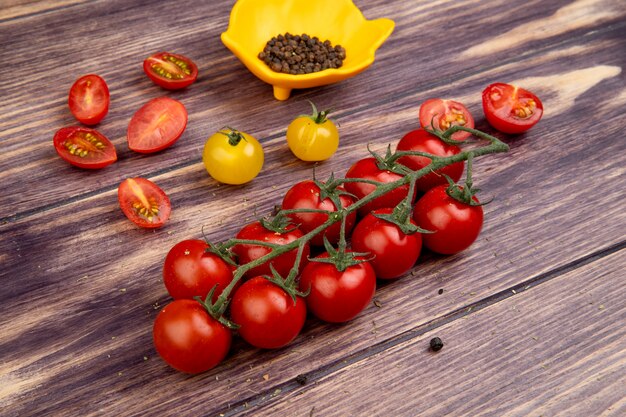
170 71
144 203
440 114
84 147
156 125
511 109
89 99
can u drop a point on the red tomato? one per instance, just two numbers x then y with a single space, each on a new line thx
442 114
190 271
283 263
188 338
170 71
455 225
143 202
421 140
89 99
367 168
84 147
306 195
511 109
157 125
267 315
394 253
337 296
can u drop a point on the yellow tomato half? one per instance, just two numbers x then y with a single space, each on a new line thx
232 157
314 137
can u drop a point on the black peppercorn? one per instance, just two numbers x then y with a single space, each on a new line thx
301 54
436 344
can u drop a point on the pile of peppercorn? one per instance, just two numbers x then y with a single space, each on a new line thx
301 54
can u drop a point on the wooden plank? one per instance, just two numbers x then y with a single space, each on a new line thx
21 9
557 349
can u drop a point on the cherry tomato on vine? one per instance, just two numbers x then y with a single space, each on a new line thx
394 252
337 296
232 157
156 125
84 147
313 137
144 203
170 71
190 271
89 99
188 338
307 195
421 140
440 114
267 314
511 109
456 225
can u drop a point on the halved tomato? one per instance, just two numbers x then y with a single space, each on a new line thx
170 71
511 109
440 114
84 147
144 203
157 125
89 99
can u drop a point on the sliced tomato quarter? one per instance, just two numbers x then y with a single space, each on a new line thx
170 71
84 147
89 99
156 125
440 114
144 203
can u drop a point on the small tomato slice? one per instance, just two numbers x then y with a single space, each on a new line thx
170 71
89 99
511 109
157 125
144 203
84 147
440 114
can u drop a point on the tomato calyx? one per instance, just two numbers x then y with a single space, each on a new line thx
331 190
286 284
279 223
389 161
465 193
319 117
234 136
216 310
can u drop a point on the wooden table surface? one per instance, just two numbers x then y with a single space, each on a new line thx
532 315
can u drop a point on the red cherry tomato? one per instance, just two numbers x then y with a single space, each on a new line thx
394 252
337 296
441 114
420 140
306 195
455 225
511 109
84 147
170 71
144 203
188 338
367 168
190 271
156 125
267 315
89 99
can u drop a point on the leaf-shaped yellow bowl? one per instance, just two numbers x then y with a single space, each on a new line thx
254 22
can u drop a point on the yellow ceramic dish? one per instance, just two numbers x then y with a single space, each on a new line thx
254 22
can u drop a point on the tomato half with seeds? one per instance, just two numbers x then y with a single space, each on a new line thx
156 125
511 109
170 71
440 114
89 99
84 147
144 203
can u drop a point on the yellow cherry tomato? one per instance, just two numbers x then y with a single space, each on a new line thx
232 157
313 137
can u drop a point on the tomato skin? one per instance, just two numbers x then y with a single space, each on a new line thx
188 338
455 225
367 168
394 253
157 125
283 263
268 317
441 114
233 164
89 99
421 140
337 296
170 71
144 203
311 141
510 109
84 147
306 195
189 271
